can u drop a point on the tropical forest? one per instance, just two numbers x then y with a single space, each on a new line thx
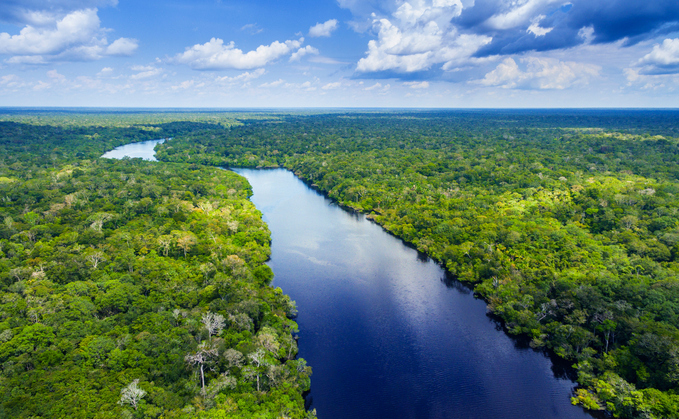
140 289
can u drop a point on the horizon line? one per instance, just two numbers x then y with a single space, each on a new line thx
301 108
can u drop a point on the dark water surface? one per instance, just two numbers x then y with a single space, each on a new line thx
386 334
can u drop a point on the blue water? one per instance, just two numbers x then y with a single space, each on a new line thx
387 335
143 149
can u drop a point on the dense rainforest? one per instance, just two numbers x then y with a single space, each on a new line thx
139 288
133 288
565 222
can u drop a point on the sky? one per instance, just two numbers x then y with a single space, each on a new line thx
340 53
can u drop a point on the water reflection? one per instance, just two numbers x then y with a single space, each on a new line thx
143 149
387 332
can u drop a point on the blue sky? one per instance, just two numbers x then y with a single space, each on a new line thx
340 53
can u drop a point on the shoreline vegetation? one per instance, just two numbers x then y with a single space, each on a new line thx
565 221
133 288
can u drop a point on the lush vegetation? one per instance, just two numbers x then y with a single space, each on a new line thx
566 222
135 288
139 289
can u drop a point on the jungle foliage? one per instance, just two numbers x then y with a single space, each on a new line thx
133 288
566 222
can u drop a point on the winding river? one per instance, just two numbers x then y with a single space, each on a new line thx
387 334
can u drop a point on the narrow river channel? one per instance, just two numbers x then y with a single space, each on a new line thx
387 335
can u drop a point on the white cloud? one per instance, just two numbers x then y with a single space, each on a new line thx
323 29
87 82
667 82
244 77
377 87
664 58
536 29
188 84
540 73
417 84
41 12
26 59
505 74
75 36
302 52
41 85
214 55
75 28
307 86
55 76
273 83
519 14
11 81
145 72
105 71
332 86
587 34
418 36
122 46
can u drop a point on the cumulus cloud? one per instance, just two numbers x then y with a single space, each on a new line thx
105 72
663 59
302 52
76 36
122 47
76 28
323 29
540 73
426 36
419 36
214 55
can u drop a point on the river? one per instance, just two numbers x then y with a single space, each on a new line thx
143 149
386 333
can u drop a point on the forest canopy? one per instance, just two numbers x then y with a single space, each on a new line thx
565 222
142 287
135 288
